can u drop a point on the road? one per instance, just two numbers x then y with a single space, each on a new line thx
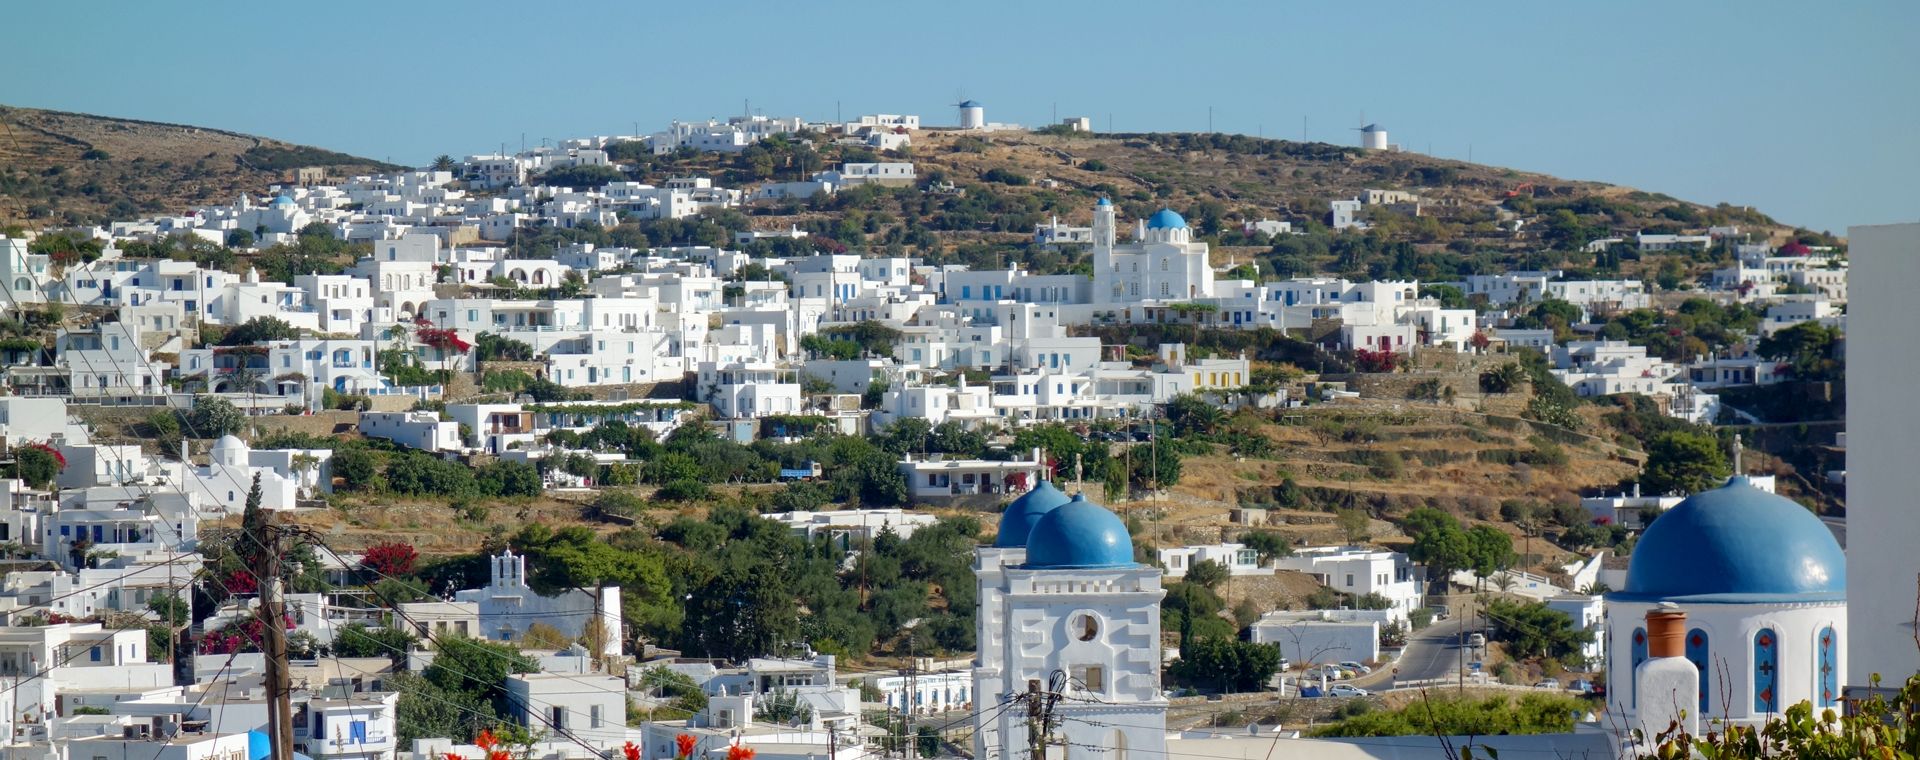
1432 653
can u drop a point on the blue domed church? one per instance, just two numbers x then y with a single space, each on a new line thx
1162 263
1762 585
1064 605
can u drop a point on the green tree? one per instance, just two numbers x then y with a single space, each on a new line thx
212 417
1207 574
1684 462
443 163
259 330
37 466
1438 542
1502 379
1354 525
362 640
1193 415
1489 550
1269 544
509 479
1809 348
355 467
1226 663
1532 630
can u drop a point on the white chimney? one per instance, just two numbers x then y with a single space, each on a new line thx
1668 684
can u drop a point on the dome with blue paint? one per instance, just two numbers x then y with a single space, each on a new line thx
1736 544
1024 512
1103 202
1079 535
1166 219
284 200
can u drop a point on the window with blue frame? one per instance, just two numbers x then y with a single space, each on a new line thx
1639 655
1827 668
1699 654
1766 671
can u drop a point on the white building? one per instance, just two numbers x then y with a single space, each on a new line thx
508 606
416 430
1162 264
1883 355
1762 588
1321 636
1236 558
1360 571
1067 596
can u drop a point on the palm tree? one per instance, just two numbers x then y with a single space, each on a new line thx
444 163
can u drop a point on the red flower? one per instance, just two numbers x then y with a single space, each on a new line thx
48 447
485 740
632 752
739 752
390 558
684 743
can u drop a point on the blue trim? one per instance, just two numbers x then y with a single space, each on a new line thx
1766 671
1809 598
1699 652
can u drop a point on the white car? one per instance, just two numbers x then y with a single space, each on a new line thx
1548 684
1356 667
1332 672
1344 690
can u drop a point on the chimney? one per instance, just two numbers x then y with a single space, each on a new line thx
1667 685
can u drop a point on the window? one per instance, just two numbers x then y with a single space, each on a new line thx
1349 580
1090 677
1700 656
593 716
1086 626
1766 671
1826 675
557 717
94 654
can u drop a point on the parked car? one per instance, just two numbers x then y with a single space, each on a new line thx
1440 612
1331 671
1344 690
1582 686
1355 667
1477 640
1285 665
1548 684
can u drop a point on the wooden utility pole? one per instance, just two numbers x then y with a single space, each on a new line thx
273 627
1036 727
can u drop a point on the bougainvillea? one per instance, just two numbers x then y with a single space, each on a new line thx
495 749
1366 360
444 339
739 752
630 751
683 746
390 558
46 447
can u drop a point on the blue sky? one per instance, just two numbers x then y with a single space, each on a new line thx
1804 110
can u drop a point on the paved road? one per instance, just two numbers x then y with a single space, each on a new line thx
1839 527
1431 653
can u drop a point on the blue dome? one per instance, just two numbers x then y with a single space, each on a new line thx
1018 520
1103 201
1079 535
283 200
1736 544
1166 219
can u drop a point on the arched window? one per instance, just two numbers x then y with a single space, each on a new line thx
1639 655
1827 673
1697 653
1766 671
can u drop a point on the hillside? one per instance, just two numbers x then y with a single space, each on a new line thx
65 168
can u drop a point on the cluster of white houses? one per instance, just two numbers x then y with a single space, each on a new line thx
1060 591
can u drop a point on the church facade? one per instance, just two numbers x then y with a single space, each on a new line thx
1163 263
1069 618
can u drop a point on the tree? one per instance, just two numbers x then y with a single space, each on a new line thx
444 163
362 640
1208 574
38 465
1269 544
1489 550
1193 415
1683 462
1502 379
1226 663
1354 524
1808 349
355 467
390 558
509 479
213 417
259 330
1438 542
1532 630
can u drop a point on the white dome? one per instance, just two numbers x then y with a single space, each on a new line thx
230 451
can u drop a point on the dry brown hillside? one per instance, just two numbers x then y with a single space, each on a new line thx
63 168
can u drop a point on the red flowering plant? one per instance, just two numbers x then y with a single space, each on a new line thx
496 750
630 751
683 746
390 558
739 752
1383 360
49 448
445 339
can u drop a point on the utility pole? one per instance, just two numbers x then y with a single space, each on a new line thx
1036 726
273 630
